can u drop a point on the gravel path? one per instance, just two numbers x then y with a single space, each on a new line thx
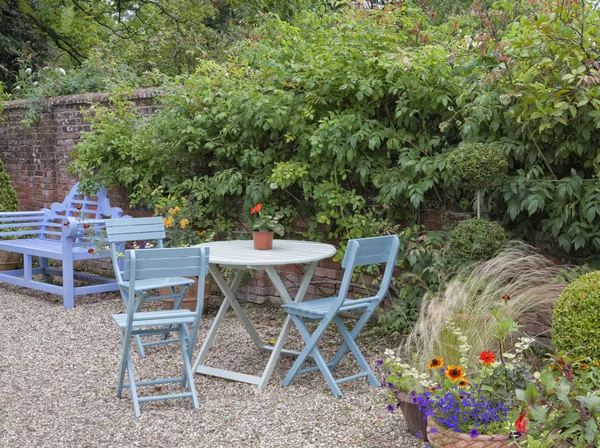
58 375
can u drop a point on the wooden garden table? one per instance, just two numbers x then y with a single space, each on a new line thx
241 255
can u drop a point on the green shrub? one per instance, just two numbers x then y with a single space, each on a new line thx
576 318
8 196
477 166
476 239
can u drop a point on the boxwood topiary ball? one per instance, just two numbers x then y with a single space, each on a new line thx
477 166
476 239
576 317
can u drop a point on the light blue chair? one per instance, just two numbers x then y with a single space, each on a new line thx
153 268
360 252
146 233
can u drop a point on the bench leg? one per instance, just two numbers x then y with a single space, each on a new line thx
68 283
27 267
47 278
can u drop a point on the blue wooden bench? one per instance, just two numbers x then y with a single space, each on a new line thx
69 231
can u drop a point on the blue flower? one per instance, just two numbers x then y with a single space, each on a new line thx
419 435
433 430
473 433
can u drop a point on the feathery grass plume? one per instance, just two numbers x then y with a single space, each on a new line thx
518 284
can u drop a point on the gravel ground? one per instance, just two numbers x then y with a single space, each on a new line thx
58 376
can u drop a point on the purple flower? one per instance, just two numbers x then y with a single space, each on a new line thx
419 435
473 433
390 407
379 362
433 430
390 385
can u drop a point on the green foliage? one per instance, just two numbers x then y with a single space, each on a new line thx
346 118
576 315
563 404
477 166
8 196
475 239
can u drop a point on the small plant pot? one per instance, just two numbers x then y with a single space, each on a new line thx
415 419
262 240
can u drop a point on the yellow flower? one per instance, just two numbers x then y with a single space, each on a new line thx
455 373
463 383
201 232
583 366
435 363
168 221
184 223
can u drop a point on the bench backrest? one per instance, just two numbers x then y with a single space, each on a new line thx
79 206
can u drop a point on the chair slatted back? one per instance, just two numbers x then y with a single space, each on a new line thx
368 251
164 262
121 231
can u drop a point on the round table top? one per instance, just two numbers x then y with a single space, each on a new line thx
242 253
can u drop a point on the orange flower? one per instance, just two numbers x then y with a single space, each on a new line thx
463 383
435 363
455 373
506 298
487 358
78 206
258 207
90 250
86 226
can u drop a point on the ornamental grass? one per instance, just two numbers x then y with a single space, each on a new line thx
518 285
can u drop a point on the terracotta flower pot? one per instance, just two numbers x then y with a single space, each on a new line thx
9 260
415 419
262 240
446 438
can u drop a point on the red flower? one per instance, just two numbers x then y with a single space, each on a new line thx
521 423
86 226
90 251
506 298
487 358
66 224
255 209
78 206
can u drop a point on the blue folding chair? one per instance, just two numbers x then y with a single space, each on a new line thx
150 233
152 267
360 252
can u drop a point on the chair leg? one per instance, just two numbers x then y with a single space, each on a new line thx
133 388
188 376
351 344
312 349
125 358
354 332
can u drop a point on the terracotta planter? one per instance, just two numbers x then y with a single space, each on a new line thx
415 419
445 438
262 240
9 260
191 295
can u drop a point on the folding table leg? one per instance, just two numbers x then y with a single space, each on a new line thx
212 333
272 273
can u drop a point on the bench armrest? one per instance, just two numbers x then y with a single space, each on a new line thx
79 228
